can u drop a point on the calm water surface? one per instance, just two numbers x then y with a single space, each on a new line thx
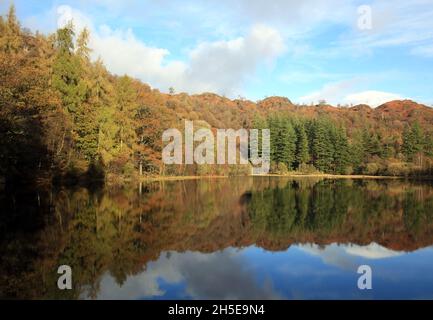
246 238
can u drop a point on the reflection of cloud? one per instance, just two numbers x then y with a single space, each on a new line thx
344 255
372 251
220 275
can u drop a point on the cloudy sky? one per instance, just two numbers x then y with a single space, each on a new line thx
301 272
306 50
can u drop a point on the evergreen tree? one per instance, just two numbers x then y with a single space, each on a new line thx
341 150
323 148
413 142
283 141
302 146
259 123
357 152
67 71
371 144
103 99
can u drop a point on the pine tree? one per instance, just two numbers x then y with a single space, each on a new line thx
102 98
283 141
67 72
302 146
357 152
413 143
259 123
323 148
87 115
289 146
341 150
371 143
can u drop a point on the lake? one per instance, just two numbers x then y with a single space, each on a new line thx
234 238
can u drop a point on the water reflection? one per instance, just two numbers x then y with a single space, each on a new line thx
246 238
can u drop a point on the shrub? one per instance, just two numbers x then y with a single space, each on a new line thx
397 169
307 169
372 168
282 168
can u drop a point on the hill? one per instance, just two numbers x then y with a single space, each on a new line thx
66 118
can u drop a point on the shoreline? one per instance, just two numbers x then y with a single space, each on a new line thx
291 176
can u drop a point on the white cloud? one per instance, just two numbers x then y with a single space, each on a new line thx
372 98
333 92
220 66
343 92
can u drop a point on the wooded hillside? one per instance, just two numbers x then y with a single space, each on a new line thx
64 117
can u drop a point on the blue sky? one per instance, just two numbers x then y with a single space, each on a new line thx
306 50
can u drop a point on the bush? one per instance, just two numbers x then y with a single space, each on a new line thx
129 170
282 168
372 168
349 171
397 169
307 169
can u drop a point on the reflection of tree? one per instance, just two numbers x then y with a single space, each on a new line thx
120 231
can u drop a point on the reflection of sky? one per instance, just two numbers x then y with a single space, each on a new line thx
302 272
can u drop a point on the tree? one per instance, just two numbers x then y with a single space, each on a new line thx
259 123
371 143
67 71
302 147
102 98
357 152
283 141
83 50
413 143
12 40
322 147
341 150
126 111
29 135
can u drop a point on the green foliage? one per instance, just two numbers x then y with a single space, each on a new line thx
341 150
68 72
322 146
283 141
302 146
413 141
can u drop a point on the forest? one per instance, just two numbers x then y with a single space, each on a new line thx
64 118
